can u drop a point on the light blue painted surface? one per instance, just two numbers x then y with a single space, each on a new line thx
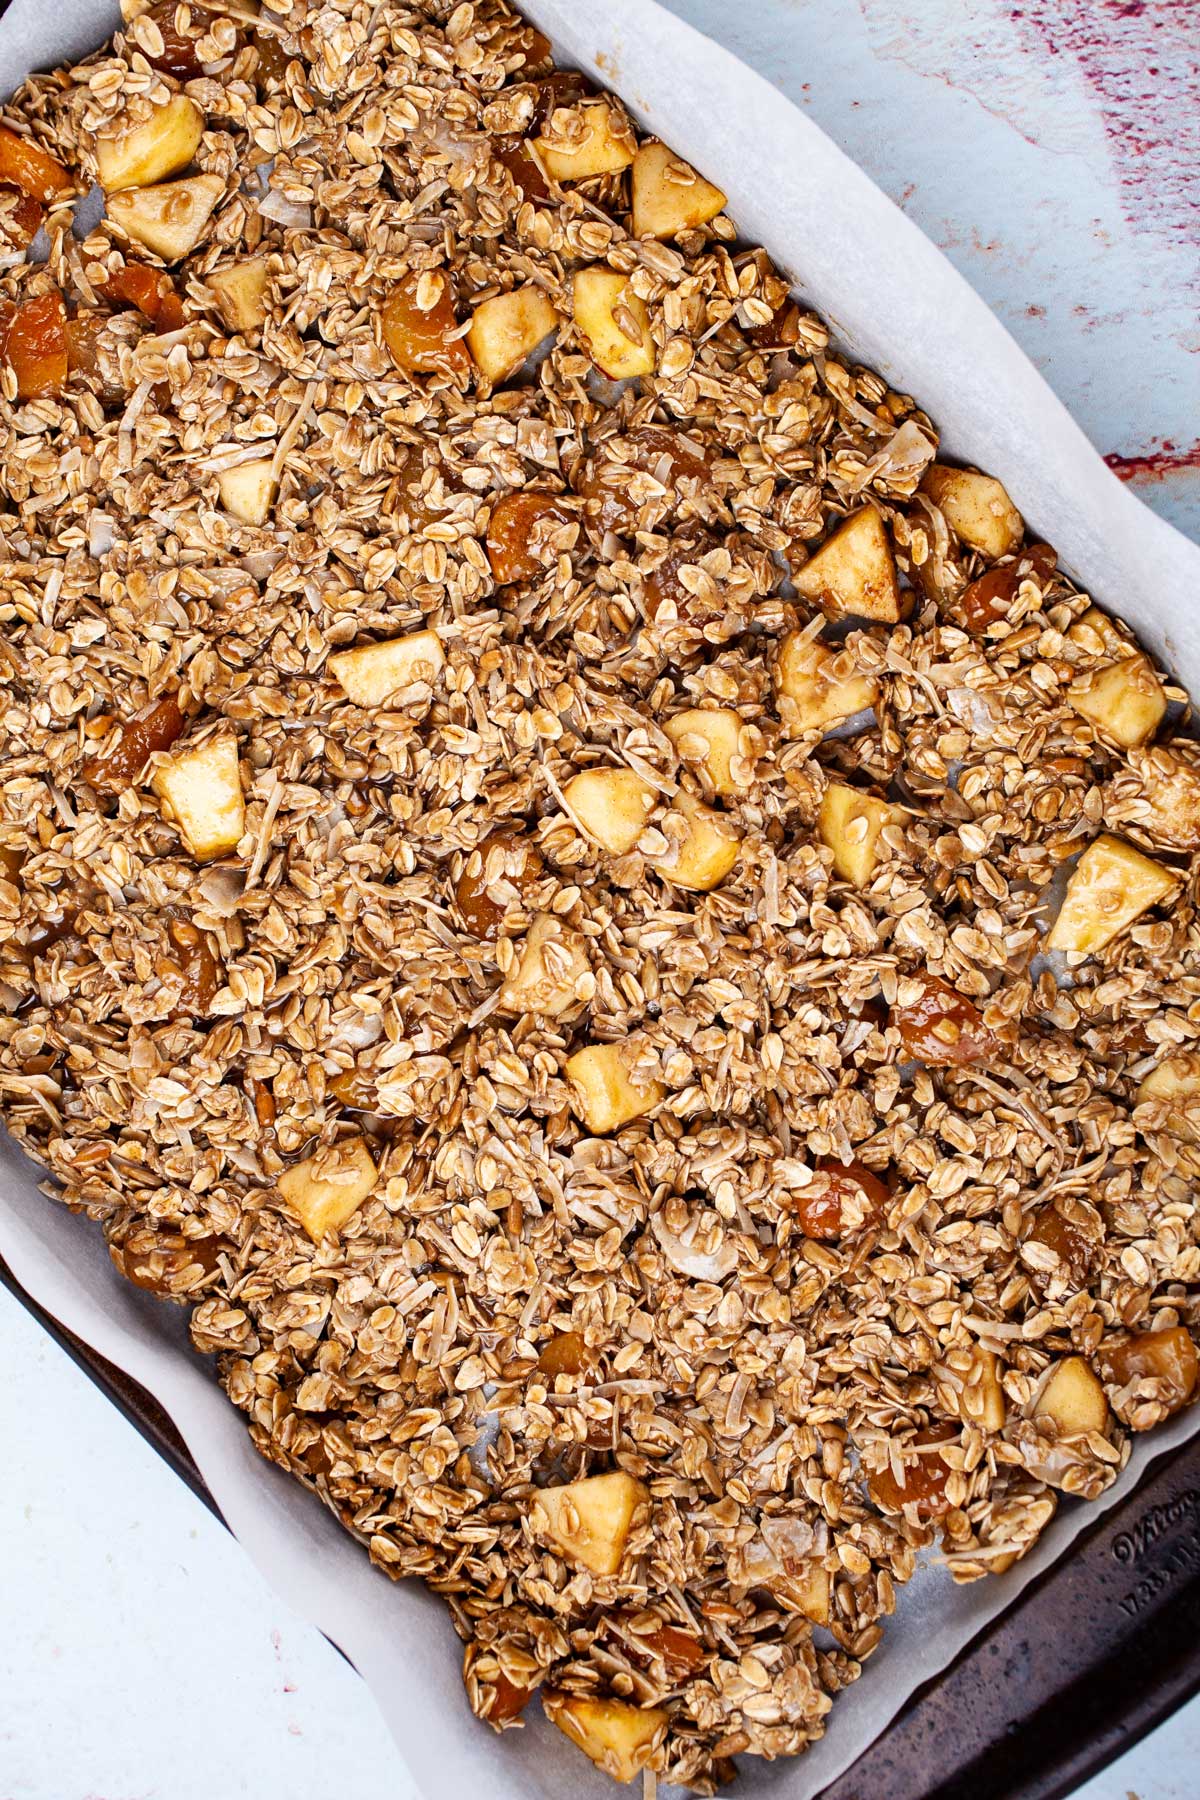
1014 159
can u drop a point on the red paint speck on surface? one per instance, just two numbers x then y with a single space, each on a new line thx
1142 63
1156 465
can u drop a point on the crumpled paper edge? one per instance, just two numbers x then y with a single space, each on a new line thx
860 262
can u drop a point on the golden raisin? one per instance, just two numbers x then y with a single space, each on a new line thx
679 465
565 1353
665 585
35 346
942 1027
989 597
23 165
520 867
178 55
781 331
418 319
923 1483
264 1103
159 1267
201 973
1070 1245
517 531
819 1205
513 153
154 728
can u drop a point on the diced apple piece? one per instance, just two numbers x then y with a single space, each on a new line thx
816 695
506 328
138 155
615 323
169 219
329 1187
248 489
203 790
26 166
544 977
1176 1077
603 1092
851 822
703 857
1125 700
809 1593
1112 885
1167 1358
589 1521
854 571
418 322
619 1738
611 806
1073 1398
1166 788
240 292
668 195
592 138
1099 635
976 507
711 736
373 673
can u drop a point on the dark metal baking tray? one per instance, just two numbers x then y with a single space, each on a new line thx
1091 1656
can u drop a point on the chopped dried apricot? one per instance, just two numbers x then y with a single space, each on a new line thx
1073 1248
517 532
35 346
418 321
514 154
26 166
159 1266
152 292
507 1700
22 214
665 586
942 1027
155 728
781 331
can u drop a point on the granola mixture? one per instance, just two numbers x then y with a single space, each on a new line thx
532 805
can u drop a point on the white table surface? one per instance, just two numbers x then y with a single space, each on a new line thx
141 1658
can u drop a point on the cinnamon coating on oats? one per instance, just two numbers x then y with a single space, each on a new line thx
625 1147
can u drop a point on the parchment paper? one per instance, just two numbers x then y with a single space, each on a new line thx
898 304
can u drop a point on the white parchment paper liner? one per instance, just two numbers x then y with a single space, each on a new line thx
896 301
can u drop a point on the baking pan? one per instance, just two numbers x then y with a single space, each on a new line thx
1087 1659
